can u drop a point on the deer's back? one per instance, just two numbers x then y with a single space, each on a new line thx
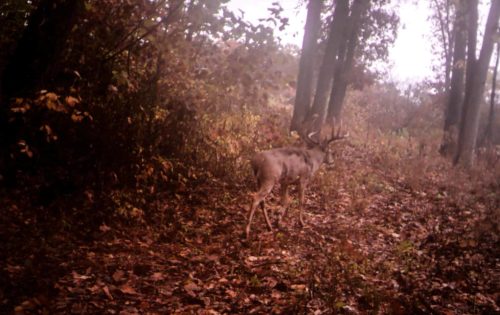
283 164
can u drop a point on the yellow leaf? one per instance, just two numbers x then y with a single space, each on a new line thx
51 96
71 101
76 117
21 109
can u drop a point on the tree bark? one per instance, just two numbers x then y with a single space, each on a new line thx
455 96
472 20
446 38
335 37
306 65
488 133
476 81
346 58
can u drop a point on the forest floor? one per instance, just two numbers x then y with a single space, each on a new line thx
378 239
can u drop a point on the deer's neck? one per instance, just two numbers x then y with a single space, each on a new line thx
317 157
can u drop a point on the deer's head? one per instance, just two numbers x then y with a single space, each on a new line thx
320 140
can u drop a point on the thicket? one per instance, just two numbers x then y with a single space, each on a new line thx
133 108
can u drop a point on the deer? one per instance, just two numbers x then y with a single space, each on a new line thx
290 166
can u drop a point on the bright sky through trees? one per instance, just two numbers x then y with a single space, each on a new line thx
410 58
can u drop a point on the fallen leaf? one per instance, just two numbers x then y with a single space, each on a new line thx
127 289
157 276
77 277
103 228
108 294
301 288
231 293
118 275
191 288
71 101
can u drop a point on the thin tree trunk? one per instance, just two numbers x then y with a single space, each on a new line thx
470 121
471 20
306 65
446 40
488 133
318 111
344 68
455 96
449 53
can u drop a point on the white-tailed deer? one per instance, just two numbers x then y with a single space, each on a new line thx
291 165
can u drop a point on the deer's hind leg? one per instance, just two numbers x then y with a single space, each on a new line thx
258 199
302 186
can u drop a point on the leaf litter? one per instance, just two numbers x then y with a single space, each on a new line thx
398 249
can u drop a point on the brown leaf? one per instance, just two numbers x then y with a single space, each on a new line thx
270 282
300 288
118 275
108 294
191 287
94 289
276 295
78 277
157 276
103 228
231 293
127 289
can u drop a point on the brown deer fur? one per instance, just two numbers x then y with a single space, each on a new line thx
287 166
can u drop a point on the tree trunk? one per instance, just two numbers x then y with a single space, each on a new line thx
455 96
306 65
448 44
488 133
446 37
335 37
346 58
471 20
470 122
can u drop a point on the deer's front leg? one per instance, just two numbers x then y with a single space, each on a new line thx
302 186
259 199
284 201
255 203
